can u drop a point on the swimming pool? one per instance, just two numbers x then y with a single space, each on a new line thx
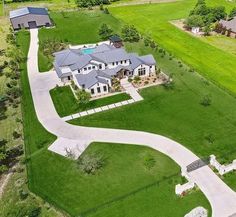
88 50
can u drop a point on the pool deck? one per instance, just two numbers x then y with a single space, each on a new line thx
81 46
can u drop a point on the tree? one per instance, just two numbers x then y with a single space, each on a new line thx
207 30
90 163
14 92
105 31
194 21
147 40
83 96
232 13
218 27
130 33
218 13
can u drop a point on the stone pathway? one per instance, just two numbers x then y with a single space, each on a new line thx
97 110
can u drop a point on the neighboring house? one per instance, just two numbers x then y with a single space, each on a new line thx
29 18
94 71
229 25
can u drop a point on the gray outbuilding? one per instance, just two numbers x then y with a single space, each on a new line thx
29 18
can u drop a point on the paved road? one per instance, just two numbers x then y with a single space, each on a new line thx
221 197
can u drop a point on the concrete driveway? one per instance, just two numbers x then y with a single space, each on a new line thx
220 196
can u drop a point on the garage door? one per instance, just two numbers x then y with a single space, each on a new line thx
32 24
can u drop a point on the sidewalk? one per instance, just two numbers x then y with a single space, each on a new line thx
99 109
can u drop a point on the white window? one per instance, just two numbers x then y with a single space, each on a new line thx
93 67
99 90
92 91
141 71
85 69
89 68
105 88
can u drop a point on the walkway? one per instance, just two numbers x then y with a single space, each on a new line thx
220 196
130 89
97 110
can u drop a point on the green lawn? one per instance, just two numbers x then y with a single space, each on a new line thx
124 172
208 60
72 28
222 42
66 103
178 113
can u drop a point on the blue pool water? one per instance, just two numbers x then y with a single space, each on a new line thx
88 50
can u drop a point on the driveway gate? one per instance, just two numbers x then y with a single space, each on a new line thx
198 164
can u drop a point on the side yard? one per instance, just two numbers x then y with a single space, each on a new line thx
66 103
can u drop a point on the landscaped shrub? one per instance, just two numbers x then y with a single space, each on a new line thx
169 85
209 138
130 33
149 161
206 100
137 79
106 11
91 163
147 40
83 97
105 31
130 79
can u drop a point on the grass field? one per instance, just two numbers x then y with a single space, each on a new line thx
73 28
208 60
66 103
57 179
124 172
222 42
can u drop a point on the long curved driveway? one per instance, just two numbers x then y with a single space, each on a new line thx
220 196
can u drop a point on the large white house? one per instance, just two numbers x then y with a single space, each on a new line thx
92 69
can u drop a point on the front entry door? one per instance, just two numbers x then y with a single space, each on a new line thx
32 24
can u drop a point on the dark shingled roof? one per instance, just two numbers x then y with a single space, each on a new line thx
115 38
230 24
28 10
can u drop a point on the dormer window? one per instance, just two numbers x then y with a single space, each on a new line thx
100 66
78 71
113 63
125 61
